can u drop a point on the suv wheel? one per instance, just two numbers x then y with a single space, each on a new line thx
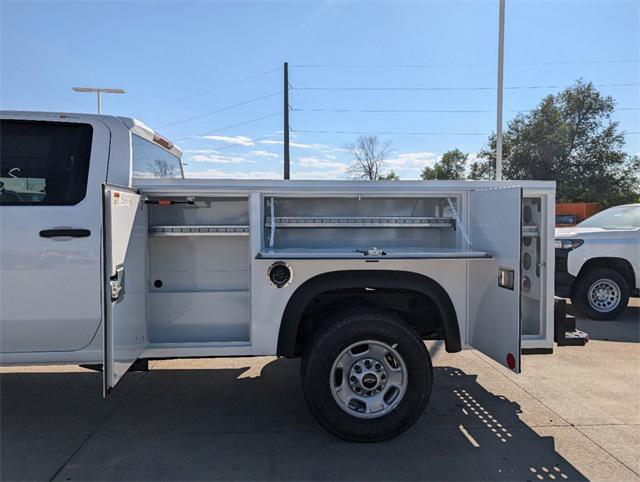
601 294
367 377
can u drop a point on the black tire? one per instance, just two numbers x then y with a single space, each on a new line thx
340 334
580 293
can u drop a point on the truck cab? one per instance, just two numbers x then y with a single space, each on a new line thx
51 175
108 256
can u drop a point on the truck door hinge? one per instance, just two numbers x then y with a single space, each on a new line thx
116 283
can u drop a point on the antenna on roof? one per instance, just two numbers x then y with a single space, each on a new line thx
98 91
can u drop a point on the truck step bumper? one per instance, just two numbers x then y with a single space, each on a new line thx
565 331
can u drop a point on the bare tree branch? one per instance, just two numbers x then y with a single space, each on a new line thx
162 168
369 156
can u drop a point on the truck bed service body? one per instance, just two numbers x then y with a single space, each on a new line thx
109 256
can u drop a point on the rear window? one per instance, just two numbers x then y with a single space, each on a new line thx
44 163
151 160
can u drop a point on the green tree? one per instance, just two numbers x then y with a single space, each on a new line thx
569 138
390 176
452 165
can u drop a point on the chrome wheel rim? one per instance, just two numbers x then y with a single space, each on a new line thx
604 295
368 379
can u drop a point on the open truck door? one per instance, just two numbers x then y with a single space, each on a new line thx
494 284
125 240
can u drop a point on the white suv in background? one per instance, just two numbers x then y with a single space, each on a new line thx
598 262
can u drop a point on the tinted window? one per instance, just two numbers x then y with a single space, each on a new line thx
566 219
151 160
44 162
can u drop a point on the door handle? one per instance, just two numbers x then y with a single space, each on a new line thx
65 232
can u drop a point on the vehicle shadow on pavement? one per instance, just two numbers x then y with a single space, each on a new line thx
237 424
626 328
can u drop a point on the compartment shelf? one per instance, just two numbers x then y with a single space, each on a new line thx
200 230
391 253
360 222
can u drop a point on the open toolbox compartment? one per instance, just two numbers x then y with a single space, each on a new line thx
199 266
347 227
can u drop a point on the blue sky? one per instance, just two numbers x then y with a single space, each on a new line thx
163 51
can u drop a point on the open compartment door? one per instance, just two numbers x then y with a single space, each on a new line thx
494 284
125 269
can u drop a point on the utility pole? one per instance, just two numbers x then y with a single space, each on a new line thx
286 121
500 92
99 92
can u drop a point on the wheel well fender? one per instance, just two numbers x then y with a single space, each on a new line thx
620 265
353 279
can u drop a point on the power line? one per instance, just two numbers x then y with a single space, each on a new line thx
250 101
254 141
375 66
397 133
231 126
385 111
581 62
430 111
402 89
215 89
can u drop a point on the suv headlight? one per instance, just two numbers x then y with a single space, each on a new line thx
568 243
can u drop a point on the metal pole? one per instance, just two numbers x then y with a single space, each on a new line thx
286 121
98 91
500 92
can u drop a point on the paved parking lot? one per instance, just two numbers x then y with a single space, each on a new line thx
573 415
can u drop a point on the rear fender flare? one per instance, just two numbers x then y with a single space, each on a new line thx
388 279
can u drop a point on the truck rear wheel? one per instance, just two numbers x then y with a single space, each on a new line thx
600 294
367 377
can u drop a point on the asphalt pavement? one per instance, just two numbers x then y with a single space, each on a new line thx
573 415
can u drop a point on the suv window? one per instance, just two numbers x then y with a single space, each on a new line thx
566 219
43 162
151 160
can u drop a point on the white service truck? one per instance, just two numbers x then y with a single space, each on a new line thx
109 256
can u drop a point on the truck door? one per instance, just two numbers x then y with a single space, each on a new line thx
125 271
494 326
51 171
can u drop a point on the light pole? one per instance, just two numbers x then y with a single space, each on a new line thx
500 92
99 93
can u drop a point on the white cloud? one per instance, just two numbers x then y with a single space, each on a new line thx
413 160
324 174
212 156
315 162
200 151
322 168
219 174
473 157
300 145
292 134
260 153
240 140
